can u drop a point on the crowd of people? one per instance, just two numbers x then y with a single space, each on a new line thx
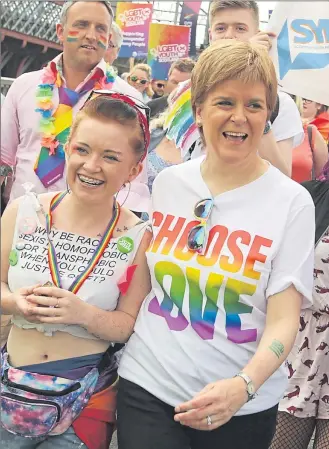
172 287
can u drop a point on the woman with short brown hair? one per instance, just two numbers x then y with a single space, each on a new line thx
231 266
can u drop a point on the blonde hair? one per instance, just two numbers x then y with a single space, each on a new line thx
146 69
227 60
220 5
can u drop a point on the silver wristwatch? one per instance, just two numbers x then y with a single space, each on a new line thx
250 385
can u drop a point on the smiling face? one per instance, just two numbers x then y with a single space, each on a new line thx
101 158
85 35
233 23
139 80
233 118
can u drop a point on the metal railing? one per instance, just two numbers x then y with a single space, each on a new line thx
5 83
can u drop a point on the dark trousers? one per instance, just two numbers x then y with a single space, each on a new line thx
145 422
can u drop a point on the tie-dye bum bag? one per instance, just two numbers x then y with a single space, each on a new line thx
36 405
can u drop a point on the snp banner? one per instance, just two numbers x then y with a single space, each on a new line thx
134 20
189 17
301 50
167 43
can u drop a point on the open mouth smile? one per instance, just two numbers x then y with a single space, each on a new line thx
91 182
88 47
235 137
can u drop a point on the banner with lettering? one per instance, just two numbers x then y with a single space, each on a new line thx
167 43
301 50
134 20
189 17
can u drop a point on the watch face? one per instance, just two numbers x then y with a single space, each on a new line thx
251 389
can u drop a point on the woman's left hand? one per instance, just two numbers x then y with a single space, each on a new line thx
53 305
218 401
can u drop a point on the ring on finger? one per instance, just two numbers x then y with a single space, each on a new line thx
209 420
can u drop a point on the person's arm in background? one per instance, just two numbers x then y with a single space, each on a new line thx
287 133
320 153
278 154
9 133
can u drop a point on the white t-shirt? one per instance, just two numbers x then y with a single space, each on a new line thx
287 125
205 315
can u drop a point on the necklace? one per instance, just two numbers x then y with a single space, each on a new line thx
99 251
50 79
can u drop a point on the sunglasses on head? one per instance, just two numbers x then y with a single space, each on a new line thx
135 79
197 238
143 111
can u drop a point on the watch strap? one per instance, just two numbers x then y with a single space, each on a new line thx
249 383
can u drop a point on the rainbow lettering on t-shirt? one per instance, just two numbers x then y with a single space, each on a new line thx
203 316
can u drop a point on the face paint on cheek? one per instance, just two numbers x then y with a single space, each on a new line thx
102 42
72 36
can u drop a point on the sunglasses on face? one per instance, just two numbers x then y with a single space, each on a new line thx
135 79
196 239
143 111
160 85
307 101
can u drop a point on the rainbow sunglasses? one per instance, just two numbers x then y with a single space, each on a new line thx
197 237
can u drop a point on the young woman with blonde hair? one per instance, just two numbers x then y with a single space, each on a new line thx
140 78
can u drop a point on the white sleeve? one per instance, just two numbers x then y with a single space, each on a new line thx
288 123
294 262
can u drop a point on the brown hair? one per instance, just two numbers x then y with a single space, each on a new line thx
185 65
147 69
219 5
233 60
108 109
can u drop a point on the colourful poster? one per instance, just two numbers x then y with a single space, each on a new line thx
189 17
167 43
134 20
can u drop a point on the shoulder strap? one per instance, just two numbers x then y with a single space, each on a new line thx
311 136
275 112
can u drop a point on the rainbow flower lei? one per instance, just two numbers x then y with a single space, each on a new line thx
45 106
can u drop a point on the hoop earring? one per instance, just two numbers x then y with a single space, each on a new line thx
124 186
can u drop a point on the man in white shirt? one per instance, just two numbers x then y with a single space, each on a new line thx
114 44
239 19
84 31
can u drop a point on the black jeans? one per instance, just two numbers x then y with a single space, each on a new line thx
145 422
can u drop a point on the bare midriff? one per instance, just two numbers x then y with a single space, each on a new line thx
30 347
